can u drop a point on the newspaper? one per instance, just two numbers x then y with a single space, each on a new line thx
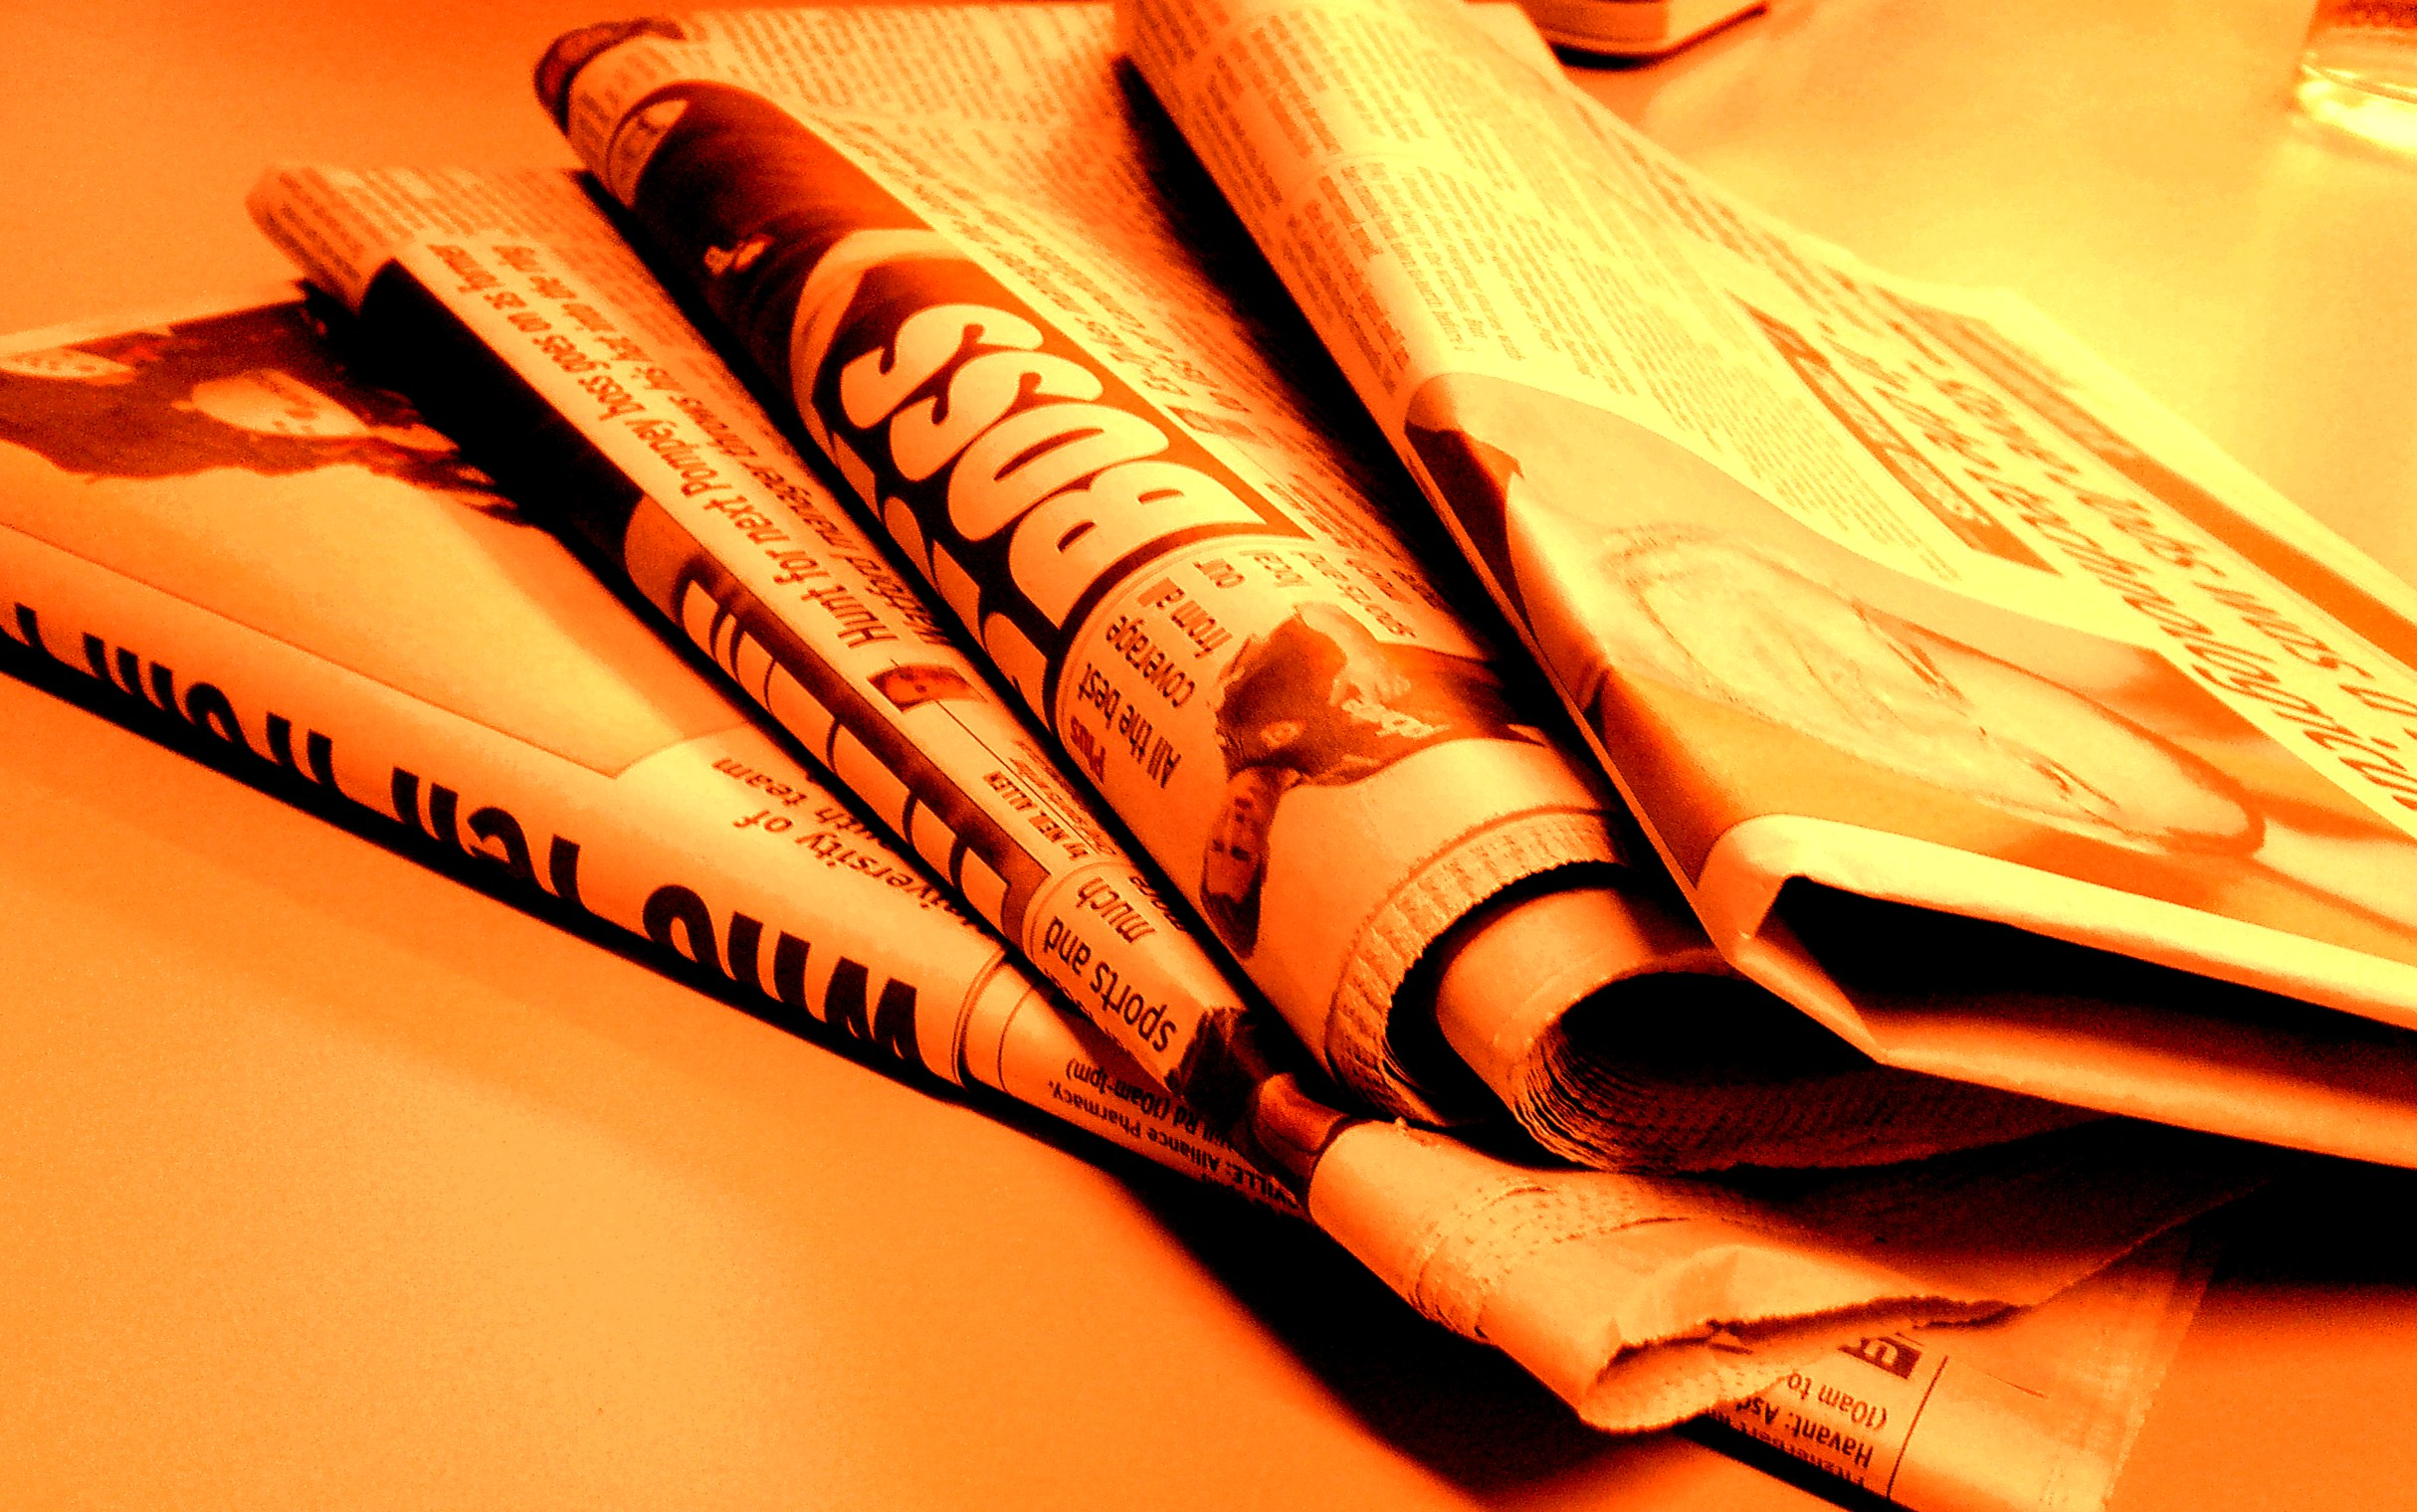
176 496
1979 708
941 237
2032 1412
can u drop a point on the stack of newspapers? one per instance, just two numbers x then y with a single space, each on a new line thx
1263 578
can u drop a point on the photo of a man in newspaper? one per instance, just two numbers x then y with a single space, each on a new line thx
1730 619
1695 585
1320 701
245 424
255 390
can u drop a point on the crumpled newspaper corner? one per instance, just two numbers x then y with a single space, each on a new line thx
1644 1301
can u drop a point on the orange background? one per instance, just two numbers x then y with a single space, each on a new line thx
325 1180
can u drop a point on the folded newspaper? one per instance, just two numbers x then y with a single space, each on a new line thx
177 495
1977 709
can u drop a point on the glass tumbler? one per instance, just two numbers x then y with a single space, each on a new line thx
2359 71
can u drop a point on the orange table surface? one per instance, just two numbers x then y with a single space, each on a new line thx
326 1180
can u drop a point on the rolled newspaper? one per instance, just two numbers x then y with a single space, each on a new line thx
583 382
986 318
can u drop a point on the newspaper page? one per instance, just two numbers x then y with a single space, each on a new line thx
176 495
1124 488
1879 606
